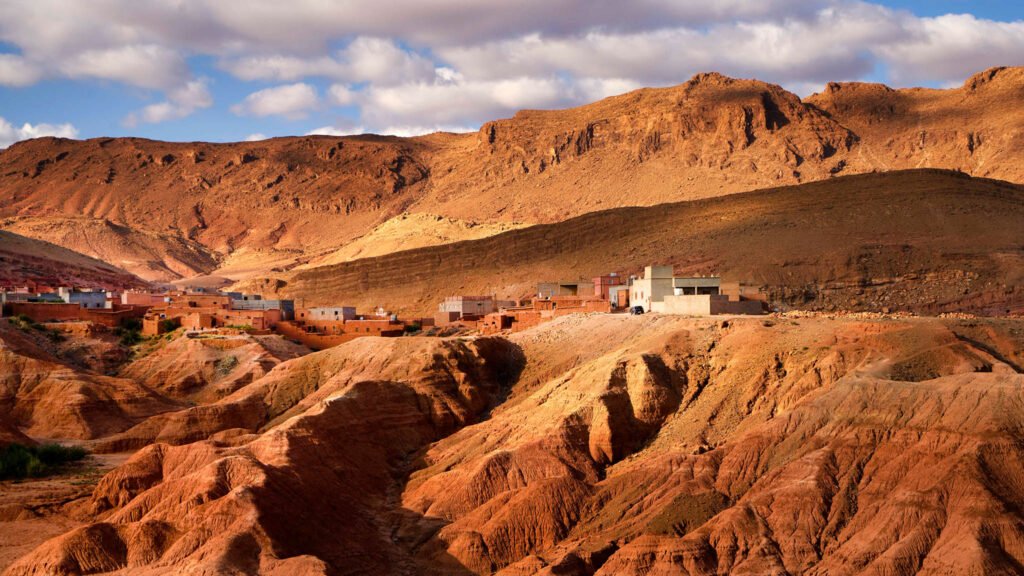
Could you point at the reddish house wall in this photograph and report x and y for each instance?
(46, 312)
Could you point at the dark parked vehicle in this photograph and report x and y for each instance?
(635, 310)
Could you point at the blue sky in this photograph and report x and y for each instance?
(230, 70)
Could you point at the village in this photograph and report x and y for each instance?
(154, 313)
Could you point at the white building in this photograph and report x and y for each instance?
(658, 282)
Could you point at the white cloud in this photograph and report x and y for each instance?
(455, 101)
(335, 131)
(365, 59)
(950, 48)
(407, 131)
(452, 64)
(143, 65)
(10, 134)
(181, 102)
(255, 137)
(293, 101)
(342, 95)
(17, 71)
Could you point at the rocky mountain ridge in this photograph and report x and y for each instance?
(172, 210)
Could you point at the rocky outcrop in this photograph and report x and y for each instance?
(167, 210)
(792, 444)
(263, 505)
(47, 398)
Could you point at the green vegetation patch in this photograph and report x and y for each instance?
(18, 461)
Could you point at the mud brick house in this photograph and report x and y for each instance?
(112, 317)
(467, 308)
(603, 285)
(316, 328)
(140, 298)
(206, 311)
(256, 302)
(547, 290)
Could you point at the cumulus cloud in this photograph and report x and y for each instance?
(453, 100)
(449, 64)
(256, 137)
(365, 59)
(144, 65)
(335, 131)
(293, 101)
(181, 102)
(10, 134)
(342, 95)
(17, 71)
(951, 47)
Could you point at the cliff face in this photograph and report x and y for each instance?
(797, 444)
(167, 210)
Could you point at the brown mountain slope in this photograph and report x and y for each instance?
(666, 445)
(155, 256)
(300, 198)
(26, 260)
(198, 199)
(921, 240)
(48, 398)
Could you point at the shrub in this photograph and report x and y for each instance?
(168, 325)
(18, 461)
(132, 324)
(226, 364)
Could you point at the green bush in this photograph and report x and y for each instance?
(23, 322)
(18, 461)
(128, 336)
(168, 325)
(132, 324)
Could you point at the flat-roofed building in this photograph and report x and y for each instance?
(660, 291)
(321, 313)
(565, 288)
(92, 299)
(659, 282)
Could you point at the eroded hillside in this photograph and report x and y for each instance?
(25, 261)
(666, 445)
(920, 240)
(169, 210)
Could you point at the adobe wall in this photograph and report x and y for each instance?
(733, 307)
(44, 312)
(684, 305)
(314, 341)
(705, 305)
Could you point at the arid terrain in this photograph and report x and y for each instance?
(918, 240)
(787, 444)
(167, 211)
(870, 423)
(26, 260)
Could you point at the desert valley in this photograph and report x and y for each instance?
(708, 328)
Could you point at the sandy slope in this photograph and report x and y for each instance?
(165, 209)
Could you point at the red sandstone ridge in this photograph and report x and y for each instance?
(799, 445)
(168, 210)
